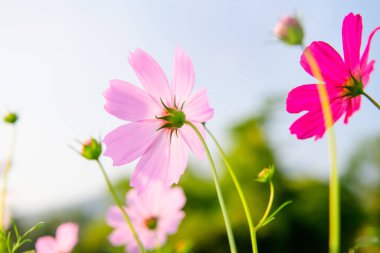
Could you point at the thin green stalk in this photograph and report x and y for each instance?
(120, 205)
(240, 192)
(269, 207)
(230, 235)
(334, 198)
(4, 179)
(371, 99)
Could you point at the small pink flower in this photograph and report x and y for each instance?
(66, 238)
(344, 79)
(157, 131)
(154, 215)
(289, 30)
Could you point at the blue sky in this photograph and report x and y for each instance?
(56, 58)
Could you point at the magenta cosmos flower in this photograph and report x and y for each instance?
(344, 79)
(154, 215)
(66, 237)
(157, 131)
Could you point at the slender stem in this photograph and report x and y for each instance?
(269, 207)
(230, 235)
(4, 179)
(240, 192)
(334, 198)
(371, 99)
(120, 205)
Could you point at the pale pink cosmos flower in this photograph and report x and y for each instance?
(66, 237)
(157, 131)
(344, 79)
(154, 215)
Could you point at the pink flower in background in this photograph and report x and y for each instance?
(289, 30)
(154, 215)
(157, 131)
(66, 238)
(344, 79)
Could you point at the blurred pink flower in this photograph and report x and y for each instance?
(154, 215)
(345, 80)
(65, 240)
(289, 30)
(157, 131)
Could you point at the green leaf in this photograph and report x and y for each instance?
(272, 216)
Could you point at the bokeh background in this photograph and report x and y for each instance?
(56, 58)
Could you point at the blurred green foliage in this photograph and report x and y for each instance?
(300, 227)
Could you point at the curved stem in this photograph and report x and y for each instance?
(230, 235)
(371, 99)
(120, 205)
(240, 192)
(4, 179)
(270, 202)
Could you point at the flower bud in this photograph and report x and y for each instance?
(10, 118)
(91, 149)
(266, 175)
(289, 30)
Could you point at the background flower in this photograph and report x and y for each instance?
(154, 215)
(66, 237)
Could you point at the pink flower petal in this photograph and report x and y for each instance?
(366, 72)
(151, 75)
(303, 98)
(67, 237)
(115, 217)
(192, 140)
(352, 37)
(197, 108)
(121, 235)
(312, 124)
(174, 200)
(183, 76)
(353, 105)
(170, 225)
(164, 161)
(46, 244)
(127, 142)
(129, 102)
(331, 65)
(364, 60)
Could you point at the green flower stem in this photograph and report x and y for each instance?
(240, 192)
(270, 202)
(371, 99)
(7, 168)
(230, 235)
(334, 198)
(119, 204)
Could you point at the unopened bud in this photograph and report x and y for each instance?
(289, 30)
(91, 149)
(10, 118)
(266, 175)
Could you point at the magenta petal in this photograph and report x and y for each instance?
(67, 236)
(127, 142)
(353, 105)
(352, 37)
(129, 102)
(150, 75)
(46, 244)
(331, 65)
(192, 140)
(303, 98)
(366, 72)
(364, 59)
(197, 108)
(183, 76)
